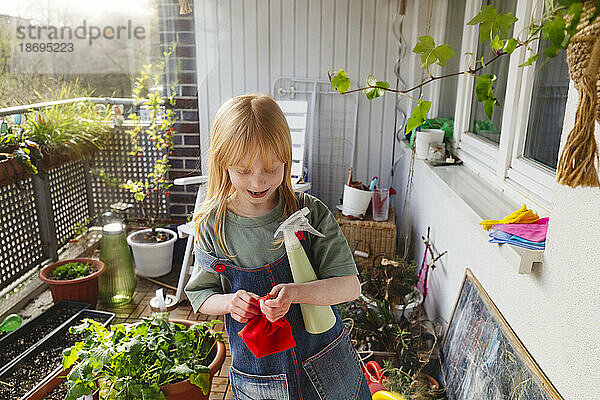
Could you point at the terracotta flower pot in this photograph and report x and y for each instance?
(184, 390)
(81, 289)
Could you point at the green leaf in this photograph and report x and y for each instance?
(78, 390)
(511, 45)
(71, 354)
(376, 88)
(443, 53)
(491, 23)
(530, 60)
(554, 31)
(497, 43)
(202, 380)
(485, 93)
(430, 54)
(3, 127)
(340, 81)
(425, 44)
(418, 116)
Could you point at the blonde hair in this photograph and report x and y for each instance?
(250, 124)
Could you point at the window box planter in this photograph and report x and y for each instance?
(81, 289)
(23, 340)
(31, 372)
(11, 171)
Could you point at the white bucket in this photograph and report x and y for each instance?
(153, 259)
(356, 201)
(424, 138)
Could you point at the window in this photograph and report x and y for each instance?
(51, 50)
(519, 148)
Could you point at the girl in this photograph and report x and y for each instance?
(249, 195)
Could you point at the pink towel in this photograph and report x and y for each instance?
(536, 231)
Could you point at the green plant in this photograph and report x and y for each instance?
(70, 129)
(390, 280)
(159, 130)
(411, 386)
(557, 25)
(72, 270)
(134, 361)
(14, 144)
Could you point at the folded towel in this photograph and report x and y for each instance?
(535, 231)
(521, 216)
(497, 236)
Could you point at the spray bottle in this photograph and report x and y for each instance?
(317, 319)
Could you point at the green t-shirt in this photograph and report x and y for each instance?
(251, 241)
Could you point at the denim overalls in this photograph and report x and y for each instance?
(323, 366)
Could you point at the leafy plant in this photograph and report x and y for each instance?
(557, 25)
(134, 361)
(69, 129)
(72, 270)
(158, 130)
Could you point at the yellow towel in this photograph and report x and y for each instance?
(521, 216)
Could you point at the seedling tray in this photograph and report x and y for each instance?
(23, 340)
(31, 373)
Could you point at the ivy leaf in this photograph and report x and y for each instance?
(485, 93)
(430, 54)
(511, 45)
(418, 116)
(497, 43)
(340, 81)
(530, 60)
(554, 31)
(443, 53)
(424, 47)
(491, 23)
(373, 92)
(575, 13)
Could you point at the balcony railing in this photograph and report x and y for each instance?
(38, 216)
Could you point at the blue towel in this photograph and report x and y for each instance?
(497, 236)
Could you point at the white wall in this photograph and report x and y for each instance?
(555, 310)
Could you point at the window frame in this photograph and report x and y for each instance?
(503, 164)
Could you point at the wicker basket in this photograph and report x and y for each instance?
(371, 237)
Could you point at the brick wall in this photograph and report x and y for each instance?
(185, 160)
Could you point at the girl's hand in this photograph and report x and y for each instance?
(243, 306)
(282, 297)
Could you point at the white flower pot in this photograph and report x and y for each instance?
(424, 138)
(153, 259)
(397, 308)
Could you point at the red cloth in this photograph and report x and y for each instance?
(264, 337)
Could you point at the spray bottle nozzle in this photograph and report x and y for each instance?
(298, 222)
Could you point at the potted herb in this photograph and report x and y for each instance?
(152, 247)
(75, 279)
(153, 359)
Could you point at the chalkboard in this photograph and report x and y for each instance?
(482, 356)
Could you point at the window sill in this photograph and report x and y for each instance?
(484, 202)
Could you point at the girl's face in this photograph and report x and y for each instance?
(256, 185)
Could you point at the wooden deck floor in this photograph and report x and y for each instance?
(140, 307)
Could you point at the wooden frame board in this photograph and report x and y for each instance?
(482, 356)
